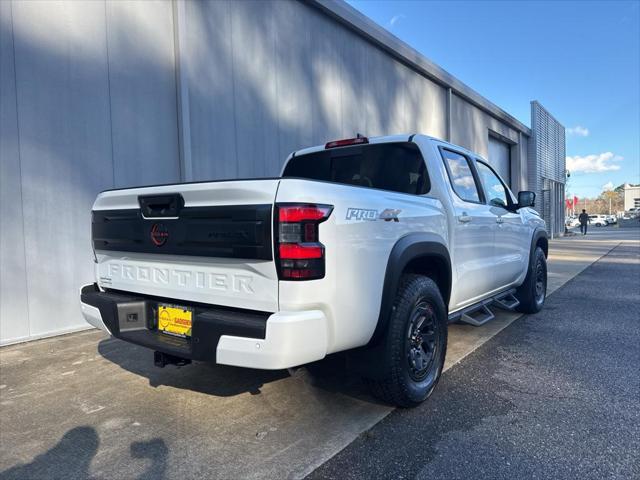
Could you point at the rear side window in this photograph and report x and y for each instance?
(461, 176)
(398, 167)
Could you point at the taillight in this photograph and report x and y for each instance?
(299, 253)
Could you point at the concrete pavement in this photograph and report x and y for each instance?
(86, 405)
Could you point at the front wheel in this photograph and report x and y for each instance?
(414, 345)
(533, 292)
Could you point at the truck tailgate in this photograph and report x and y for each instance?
(201, 242)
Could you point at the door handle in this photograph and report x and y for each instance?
(499, 220)
(464, 218)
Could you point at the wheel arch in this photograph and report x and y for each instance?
(419, 253)
(540, 238)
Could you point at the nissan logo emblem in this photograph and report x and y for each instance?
(159, 234)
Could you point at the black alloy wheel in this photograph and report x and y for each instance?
(533, 291)
(421, 340)
(541, 281)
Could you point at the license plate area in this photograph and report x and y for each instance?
(175, 320)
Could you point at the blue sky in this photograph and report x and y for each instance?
(580, 59)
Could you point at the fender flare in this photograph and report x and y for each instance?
(406, 249)
(538, 233)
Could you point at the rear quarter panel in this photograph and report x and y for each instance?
(357, 245)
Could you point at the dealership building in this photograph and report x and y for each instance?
(631, 196)
(98, 95)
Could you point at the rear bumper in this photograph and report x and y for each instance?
(92, 315)
(226, 336)
(292, 339)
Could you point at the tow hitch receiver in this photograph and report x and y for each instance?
(161, 359)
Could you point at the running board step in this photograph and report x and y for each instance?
(506, 301)
(478, 315)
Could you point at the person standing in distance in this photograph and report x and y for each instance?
(584, 220)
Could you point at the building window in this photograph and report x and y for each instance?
(636, 202)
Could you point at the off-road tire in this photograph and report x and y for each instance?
(531, 294)
(397, 384)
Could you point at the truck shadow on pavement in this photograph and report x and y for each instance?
(219, 380)
(222, 380)
(71, 458)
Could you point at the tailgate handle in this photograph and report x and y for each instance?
(154, 206)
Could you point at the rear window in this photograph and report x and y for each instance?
(398, 167)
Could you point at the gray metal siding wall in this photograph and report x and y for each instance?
(13, 278)
(547, 167)
(142, 92)
(267, 78)
(88, 103)
(97, 100)
(472, 128)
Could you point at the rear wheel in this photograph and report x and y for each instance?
(415, 344)
(532, 293)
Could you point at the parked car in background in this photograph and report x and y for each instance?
(612, 219)
(572, 222)
(598, 220)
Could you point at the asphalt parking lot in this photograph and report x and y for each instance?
(550, 395)
(556, 395)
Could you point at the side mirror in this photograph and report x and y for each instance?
(526, 199)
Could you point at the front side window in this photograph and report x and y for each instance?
(494, 189)
(461, 176)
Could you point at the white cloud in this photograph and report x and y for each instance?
(601, 162)
(465, 182)
(607, 186)
(578, 131)
(395, 19)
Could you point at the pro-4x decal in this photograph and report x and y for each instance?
(366, 214)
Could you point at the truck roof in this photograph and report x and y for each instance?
(384, 139)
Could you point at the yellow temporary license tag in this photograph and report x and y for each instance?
(174, 320)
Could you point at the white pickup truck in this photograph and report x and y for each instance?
(370, 246)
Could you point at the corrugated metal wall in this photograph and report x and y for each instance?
(101, 94)
(547, 170)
